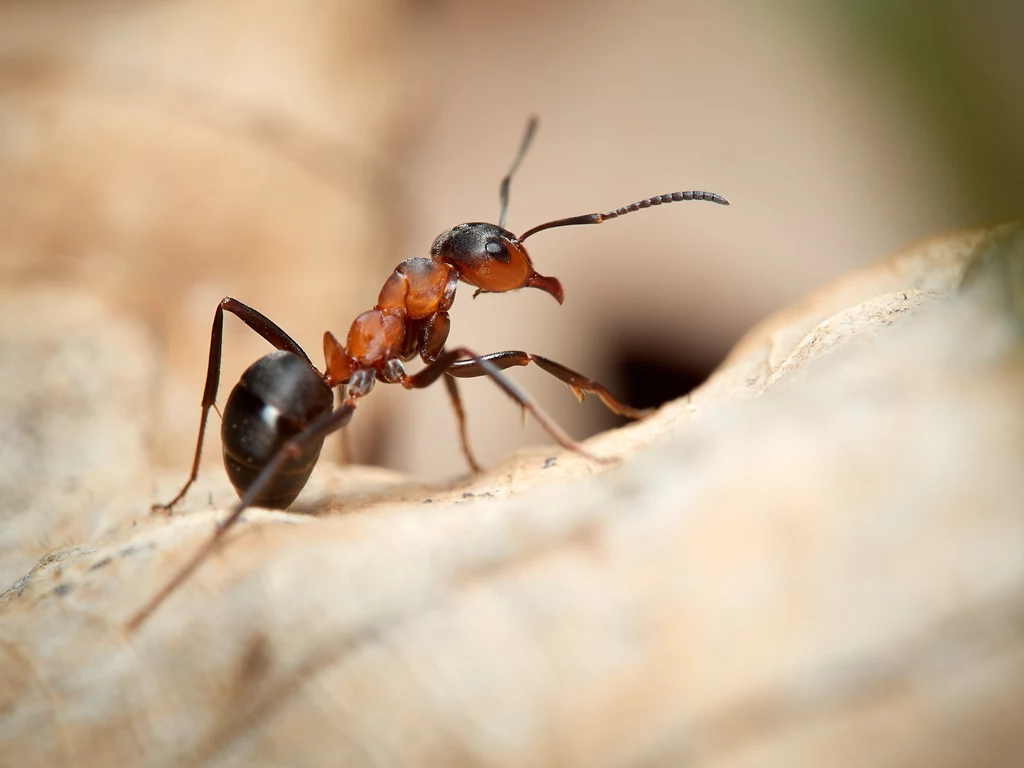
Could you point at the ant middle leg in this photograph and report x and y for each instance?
(262, 325)
(432, 335)
(578, 383)
(460, 418)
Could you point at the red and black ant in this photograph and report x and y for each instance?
(278, 415)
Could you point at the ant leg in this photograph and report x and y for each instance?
(579, 384)
(431, 344)
(265, 328)
(460, 417)
(346, 441)
(444, 362)
(317, 431)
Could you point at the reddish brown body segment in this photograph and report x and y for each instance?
(375, 337)
(417, 286)
(409, 320)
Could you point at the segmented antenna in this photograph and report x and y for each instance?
(531, 128)
(597, 218)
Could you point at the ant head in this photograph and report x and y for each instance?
(494, 260)
(491, 258)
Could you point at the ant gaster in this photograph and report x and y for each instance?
(277, 416)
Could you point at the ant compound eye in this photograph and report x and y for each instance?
(498, 250)
(473, 244)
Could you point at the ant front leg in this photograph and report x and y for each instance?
(295, 447)
(578, 383)
(265, 328)
(443, 364)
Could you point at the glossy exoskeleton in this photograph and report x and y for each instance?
(275, 400)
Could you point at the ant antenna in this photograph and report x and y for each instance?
(531, 128)
(597, 218)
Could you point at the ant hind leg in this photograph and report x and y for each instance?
(262, 325)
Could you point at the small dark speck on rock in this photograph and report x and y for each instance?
(62, 589)
(549, 462)
(131, 549)
(428, 501)
(468, 495)
(100, 563)
(18, 587)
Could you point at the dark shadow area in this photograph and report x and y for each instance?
(646, 377)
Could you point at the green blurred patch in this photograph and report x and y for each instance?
(960, 66)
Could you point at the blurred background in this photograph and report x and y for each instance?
(161, 155)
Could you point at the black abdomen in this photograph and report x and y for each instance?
(277, 397)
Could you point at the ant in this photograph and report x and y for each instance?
(278, 415)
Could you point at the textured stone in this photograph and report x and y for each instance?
(818, 558)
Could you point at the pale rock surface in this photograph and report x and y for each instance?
(817, 558)
(164, 155)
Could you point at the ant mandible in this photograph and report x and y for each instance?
(278, 415)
